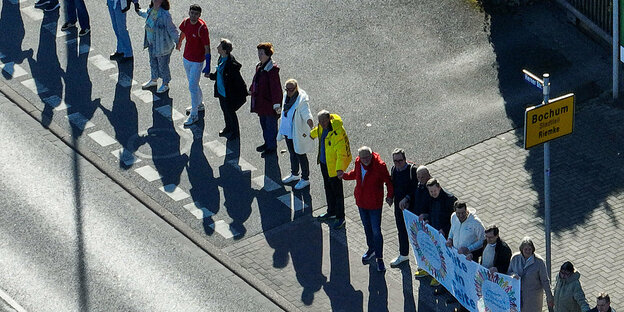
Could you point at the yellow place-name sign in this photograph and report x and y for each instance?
(543, 123)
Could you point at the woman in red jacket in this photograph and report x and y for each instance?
(266, 97)
(371, 173)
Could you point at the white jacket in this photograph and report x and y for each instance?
(301, 130)
(469, 234)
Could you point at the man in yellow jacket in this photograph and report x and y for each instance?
(334, 157)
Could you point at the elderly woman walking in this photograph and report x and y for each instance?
(295, 125)
(531, 268)
(160, 38)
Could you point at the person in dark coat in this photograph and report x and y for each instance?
(495, 253)
(266, 97)
(229, 87)
(438, 212)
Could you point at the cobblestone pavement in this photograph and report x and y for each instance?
(318, 269)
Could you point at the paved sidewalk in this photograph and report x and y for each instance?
(318, 269)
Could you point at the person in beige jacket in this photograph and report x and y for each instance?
(534, 280)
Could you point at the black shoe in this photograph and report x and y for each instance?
(52, 6)
(268, 152)
(125, 59)
(67, 26)
(325, 216)
(367, 256)
(115, 56)
(41, 3)
(381, 267)
(261, 148)
(84, 31)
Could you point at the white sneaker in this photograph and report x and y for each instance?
(149, 84)
(191, 120)
(291, 178)
(398, 260)
(302, 184)
(200, 108)
(163, 88)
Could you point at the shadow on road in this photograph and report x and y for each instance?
(580, 181)
(13, 33)
(341, 293)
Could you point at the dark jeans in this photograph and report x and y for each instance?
(371, 220)
(296, 160)
(401, 230)
(333, 193)
(77, 6)
(269, 130)
(229, 116)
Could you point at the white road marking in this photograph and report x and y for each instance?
(148, 173)
(217, 148)
(102, 63)
(198, 211)
(167, 110)
(266, 183)
(12, 69)
(12, 303)
(292, 202)
(35, 86)
(102, 138)
(224, 229)
(174, 192)
(242, 164)
(123, 79)
(78, 120)
(56, 102)
(125, 156)
(145, 96)
(34, 14)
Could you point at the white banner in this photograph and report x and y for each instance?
(474, 286)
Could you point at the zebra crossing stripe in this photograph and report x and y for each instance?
(125, 156)
(217, 148)
(101, 63)
(14, 70)
(34, 14)
(175, 192)
(198, 210)
(148, 173)
(56, 102)
(146, 96)
(123, 80)
(80, 121)
(266, 183)
(35, 86)
(102, 138)
(224, 229)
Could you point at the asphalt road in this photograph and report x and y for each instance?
(71, 240)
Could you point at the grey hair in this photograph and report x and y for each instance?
(422, 168)
(527, 241)
(365, 148)
(323, 113)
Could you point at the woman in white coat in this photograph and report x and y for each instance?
(295, 125)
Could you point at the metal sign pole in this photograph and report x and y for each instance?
(547, 181)
(616, 47)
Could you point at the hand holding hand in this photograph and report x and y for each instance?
(339, 174)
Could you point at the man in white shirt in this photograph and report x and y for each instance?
(467, 232)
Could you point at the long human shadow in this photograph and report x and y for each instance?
(13, 33)
(46, 68)
(164, 142)
(407, 279)
(123, 115)
(575, 163)
(377, 290)
(235, 182)
(342, 295)
(78, 85)
(204, 187)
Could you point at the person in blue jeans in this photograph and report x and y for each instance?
(370, 174)
(117, 10)
(75, 10)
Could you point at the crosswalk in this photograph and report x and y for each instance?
(175, 193)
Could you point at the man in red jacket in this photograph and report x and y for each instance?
(371, 173)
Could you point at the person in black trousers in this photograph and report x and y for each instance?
(229, 87)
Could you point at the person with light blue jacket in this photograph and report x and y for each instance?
(160, 38)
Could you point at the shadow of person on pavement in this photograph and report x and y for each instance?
(78, 85)
(13, 33)
(377, 290)
(233, 178)
(204, 187)
(341, 293)
(123, 115)
(164, 142)
(46, 69)
(407, 279)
